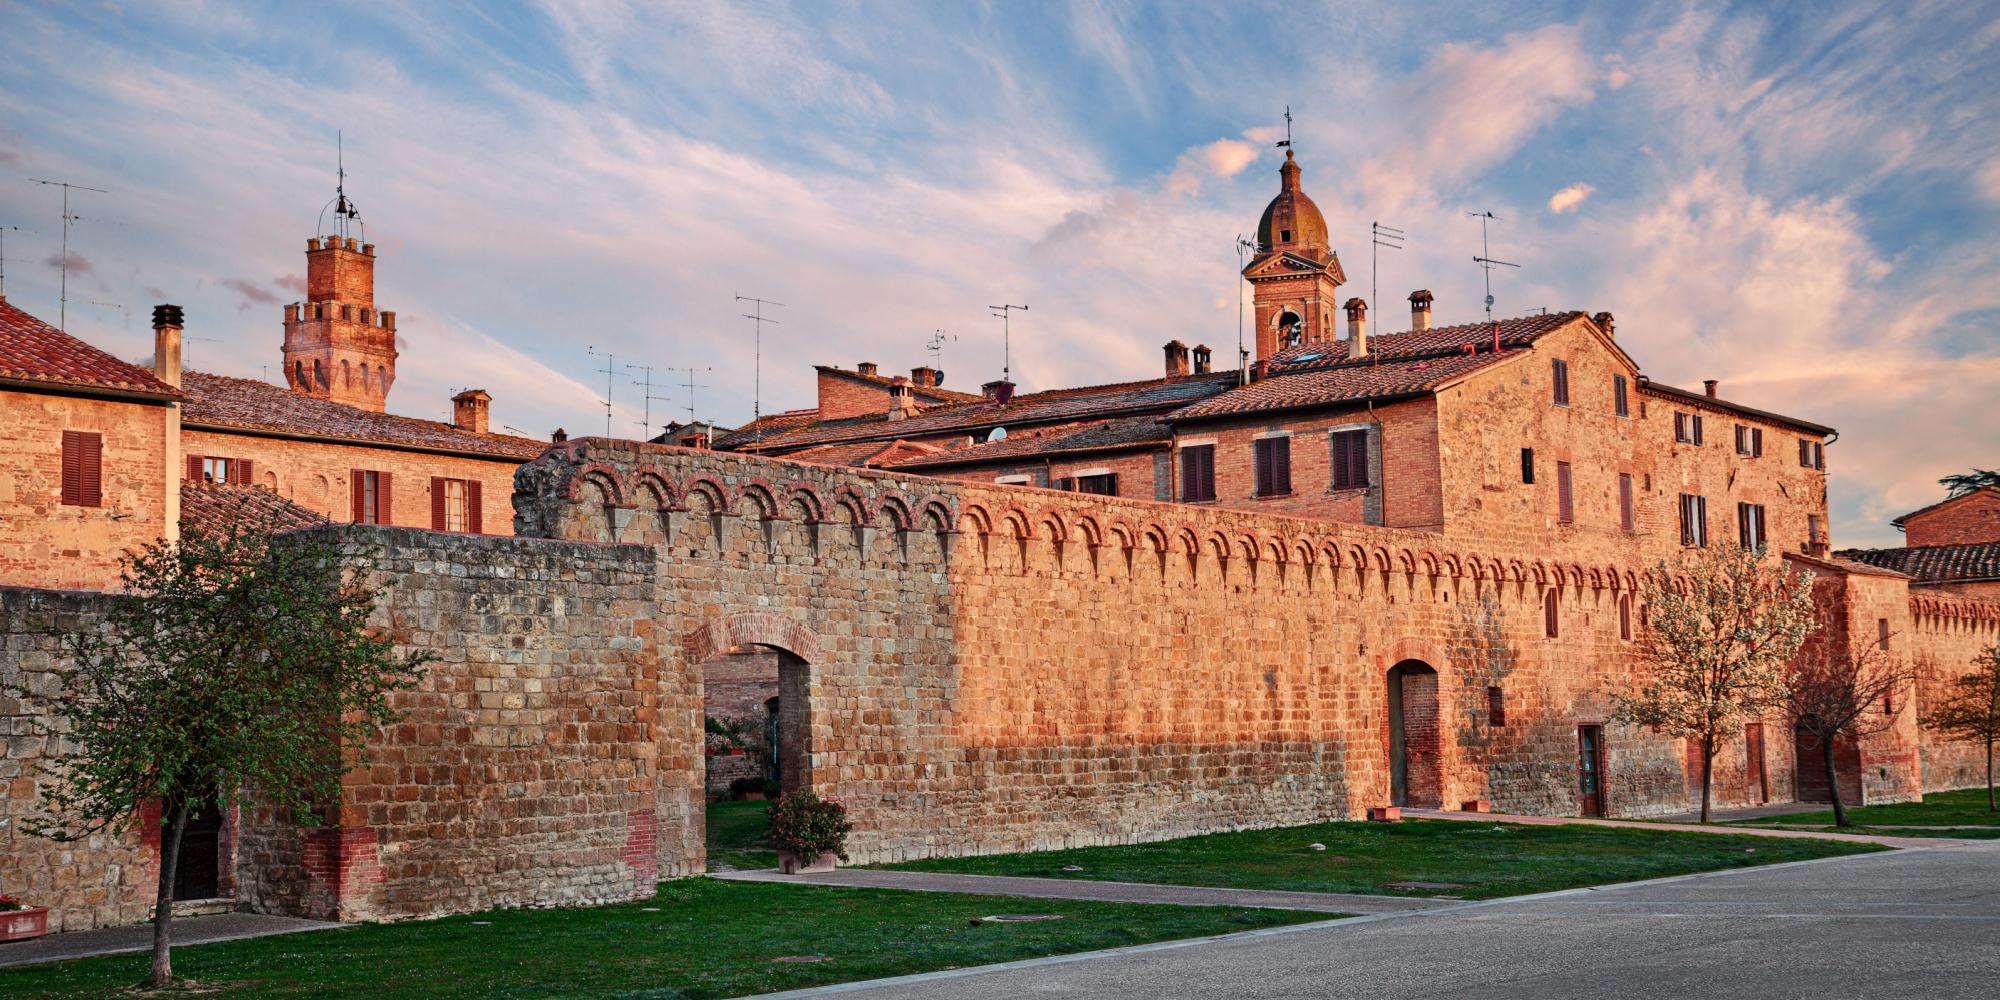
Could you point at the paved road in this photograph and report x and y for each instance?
(1917, 923)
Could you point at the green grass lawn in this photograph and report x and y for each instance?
(1965, 807)
(736, 836)
(1485, 860)
(707, 939)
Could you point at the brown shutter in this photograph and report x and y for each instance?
(194, 466)
(1190, 477)
(357, 485)
(1208, 472)
(473, 522)
(438, 519)
(1360, 453)
(1687, 519)
(1340, 460)
(82, 469)
(1757, 442)
(1697, 428)
(244, 473)
(1281, 464)
(1262, 449)
(382, 499)
(1527, 465)
(1565, 506)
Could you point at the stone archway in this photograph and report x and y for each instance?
(1416, 736)
(758, 658)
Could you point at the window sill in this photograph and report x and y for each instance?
(1273, 496)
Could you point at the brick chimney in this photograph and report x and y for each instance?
(167, 344)
(902, 402)
(926, 376)
(1708, 385)
(865, 367)
(1357, 328)
(1177, 359)
(1203, 360)
(559, 436)
(998, 391)
(468, 410)
(1420, 309)
(1606, 323)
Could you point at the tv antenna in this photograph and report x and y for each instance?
(4, 230)
(1005, 313)
(1244, 247)
(610, 371)
(1380, 236)
(62, 315)
(124, 317)
(1287, 144)
(1487, 264)
(646, 385)
(935, 346)
(757, 319)
(691, 386)
(344, 211)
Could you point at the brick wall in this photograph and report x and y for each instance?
(1945, 634)
(840, 398)
(316, 474)
(1968, 520)
(1141, 475)
(46, 543)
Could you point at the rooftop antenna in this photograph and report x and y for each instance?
(1006, 338)
(935, 346)
(62, 315)
(691, 386)
(646, 385)
(1287, 144)
(344, 211)
(4, 230)
(1245, 246)
(124, 317)
(1381, 236)
(1487, 263)
(610, 371)
(757, 319)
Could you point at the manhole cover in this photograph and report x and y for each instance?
(1072, 868)
(791, 959)
(1424, 885)
(1021, 918)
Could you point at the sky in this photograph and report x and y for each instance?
(1798, 200)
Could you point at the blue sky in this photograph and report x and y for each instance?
(1798, 200)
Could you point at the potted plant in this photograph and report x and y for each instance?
(810, 833)
(21, 922)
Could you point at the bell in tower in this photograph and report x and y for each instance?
(1295, 277)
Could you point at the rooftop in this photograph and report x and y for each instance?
(220, 401)
(1069, 439)
(214, 508)
(1935, 563)
(32, 351)
(1946, 502)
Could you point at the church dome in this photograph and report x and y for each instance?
(1292, 222)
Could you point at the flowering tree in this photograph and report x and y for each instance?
(1843, 690)
(1971, 712)
(1718, 643)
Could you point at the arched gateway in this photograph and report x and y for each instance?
(1416, 767)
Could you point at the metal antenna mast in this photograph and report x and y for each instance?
(646, 385)
(1006, 338)
(1381, 236)
(1487, 263)
(1244, 247)
(691, 387)
(757, 319)
(4, 230)
(935, 346)
(610, 371)
(62, 315)
(344, 211)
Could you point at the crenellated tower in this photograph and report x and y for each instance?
(338, 346)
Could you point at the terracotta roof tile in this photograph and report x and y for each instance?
(211, 508)
(222, 401)
(932, 393)
(33, 351)
(867, 454)
(1935, 563)
(1095, 436)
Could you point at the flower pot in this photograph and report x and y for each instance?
(24, 925)
(753, 796)
(738, 752)
(792, 864)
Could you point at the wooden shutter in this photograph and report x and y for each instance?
(1359, 456)
(1262, 449)
(1760, 526)
(382, 499)
(242, 469)
(1342, 463)
(1198, 472)
(1625, 500)
(438, 517)
(357, 486)
(1756, 442)
(1561, 373)
(1565, 503)
(82, 469)
(1551, 614)
(1281, 463)
(1695, 419)
(1743, 525)
(473, 522)
(194, 464)
(1687, 520)
(1190, 475)
(1618, 390)
(1207, 465)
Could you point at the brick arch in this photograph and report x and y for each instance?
(711, 489)
(655, 480)
(1413, 648)
(1088, 529)
(936, 509)
(1052, 519)
(902, 513)
(764, 498)
(976, 515)
(807, 496)
(744, 628)
(602, 476)
(851, 500)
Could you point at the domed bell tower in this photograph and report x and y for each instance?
(1295, 278)
(338, 346)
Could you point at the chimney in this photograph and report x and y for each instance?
(902, 403)
(468, 410)
(1202, 360)
(865, 367)
(1606, 323)
(926, 376)
(1357, 328)
(1177, 359)
(167, 344)
(1420, 309)
(1708, 385)
(999, 391)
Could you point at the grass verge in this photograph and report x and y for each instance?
(1461, 860)
(1935, 816)
(736, 836)
(698, 938)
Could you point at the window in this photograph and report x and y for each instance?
(1561, 376)
(1750, 525)
(1104, 485)
(1350, 459)
(1687, 427)
(1812, 531)
(1625, 617)
(455, 505)
(1694, 520)
(1274, 466)
(1620, 400)
(82, 469)
(1882, 633)
(1551, 614)
(1565, 504)
(1496, 707)
(217, 470)
(1749, 441)
(1625, 512)
(1198, 473)
(1527, 465)
(370, 494)
(1812, 455)
(213, 469)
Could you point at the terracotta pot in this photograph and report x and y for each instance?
(753, 796)
(792, 864)
(25, 925)
(738, 752)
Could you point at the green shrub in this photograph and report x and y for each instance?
(808, 826)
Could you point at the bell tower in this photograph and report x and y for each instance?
(1295, 278)
(338, 346)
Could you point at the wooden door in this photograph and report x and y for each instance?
(1590, 770)
(1753, 775)
(198, 873)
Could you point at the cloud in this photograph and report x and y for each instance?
(293, 283)
(77, 263)
(253, 294)
(1569, 198)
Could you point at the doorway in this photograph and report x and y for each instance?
(198, 873)
(1759, 786)
(1590, 770)
(1416, 767)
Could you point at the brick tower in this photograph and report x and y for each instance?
(1295, 277)
(337, 345)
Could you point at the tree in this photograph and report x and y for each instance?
(231, 664)
(1838, 690)
(1718, 643)
(1970, 712)
(1966, 482)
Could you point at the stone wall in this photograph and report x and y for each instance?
(1946, 634)
(48, 543)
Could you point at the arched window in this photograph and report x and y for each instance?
(299, 375)
(1551, 614)
(1291, 329)
(319, 373)
(1625, 617)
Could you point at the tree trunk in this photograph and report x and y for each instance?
(1707, 774)
(163, 905)
(1990, 807)
(1832, 781)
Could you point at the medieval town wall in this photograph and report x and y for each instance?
(1946, 634)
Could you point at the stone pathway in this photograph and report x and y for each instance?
(1755, 831)
(67, 945)
(1106, 892)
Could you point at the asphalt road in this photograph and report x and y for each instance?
(1916, 923)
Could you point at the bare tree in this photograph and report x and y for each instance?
(1718, 640)
(1842, 686)
(1970, 713)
